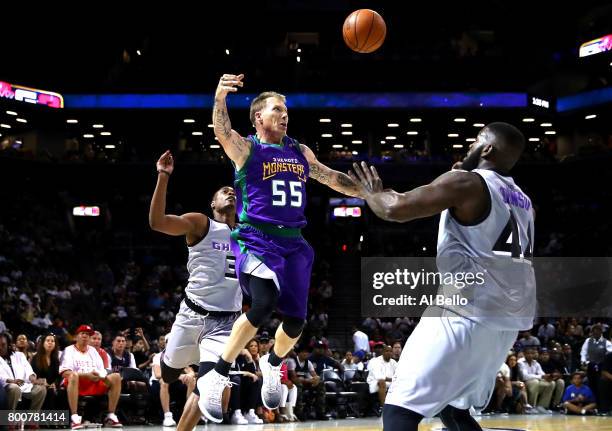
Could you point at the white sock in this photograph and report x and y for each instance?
(168, 415)
(75, 418)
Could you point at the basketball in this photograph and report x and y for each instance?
(364, 31)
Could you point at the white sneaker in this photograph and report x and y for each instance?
(271, 383)
(543, 410)
(252, 418)
(169, 421)
(211, 386)
(238, 419)
(76, 422)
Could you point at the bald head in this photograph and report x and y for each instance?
(508, 144)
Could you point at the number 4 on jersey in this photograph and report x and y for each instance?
(509, 241)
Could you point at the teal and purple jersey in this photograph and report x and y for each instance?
(271, 186)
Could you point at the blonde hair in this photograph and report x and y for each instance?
(259, 102)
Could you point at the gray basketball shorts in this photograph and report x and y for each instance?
(195, 338)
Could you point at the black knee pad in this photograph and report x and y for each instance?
(293, 326)
(458, 420)
(204, 368)
(397, 418)
(264, 296)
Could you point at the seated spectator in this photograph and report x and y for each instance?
(553, 374)
(96, 341)
(519, 390)
(120, 356)
(528, 340)
(350, 366)
(397, 350)
(569, 359)
(84, 374)
(186, 380)
(578, 398)
(45, 364)
(380, 373)
(250, 383)
(539, 390)
(605, 386)
(141, 351)
(17, 377)
(303, 375)
(22, 344)
(546, 332)
(288, 396)
(377, 349)
(322, 361)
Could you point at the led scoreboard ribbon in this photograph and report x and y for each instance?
(31, 95)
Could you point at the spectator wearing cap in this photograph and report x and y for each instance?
(578, 398)
(592, 355)
(553, 373)
(96, 341)
(539, 390)
(380, 372)
(311, 389)
(264, 344)
(17, 377)
(361, 341)
(84, 374)
(45, 364)
(322, 361)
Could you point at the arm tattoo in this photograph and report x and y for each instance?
(318, 174)
(221, 120)
(345, 181)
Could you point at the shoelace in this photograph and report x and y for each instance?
(274, 380)
(217, 395)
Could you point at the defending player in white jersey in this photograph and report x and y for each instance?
(213, 299)
(450, 361)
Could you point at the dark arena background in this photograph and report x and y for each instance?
(89, 104)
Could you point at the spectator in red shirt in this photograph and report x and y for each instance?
(96, 341)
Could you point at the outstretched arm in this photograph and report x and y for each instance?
(235, 146)
(192, 225)
(460, 190)
(336, 180)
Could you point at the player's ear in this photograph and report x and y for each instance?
(486, 151)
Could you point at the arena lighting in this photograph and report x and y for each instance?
(197, 133)
(324, 120)
(31, 95)
(590, 117)
(86, 211)
(188, 120)
(327, 135)
(215, 146)
(546, 125)
(457, 146)
(11, 112)
(110, 147)
(528, 120)
(355, 153)
(346, 125)
(211, 126)
(347, 133)
(21, 120)
(479, 124)
(357, 141)
(453, 135)
(105, 133)
(415, 120)
(390, 138)
(5, 126)
(138, 52)
(398, 146)
(72, 121)
(88, 135)
(336, 146)
(470, 139)
(550, 132)
(596, 46)
(392, 125)
(298, 59)
(347, 212)
(459, 120)
(534, 139)
(412, 132)
(98, 126)
(383, 142)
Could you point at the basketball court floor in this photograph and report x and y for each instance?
(497, 423)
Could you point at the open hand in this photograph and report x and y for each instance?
(366, 179)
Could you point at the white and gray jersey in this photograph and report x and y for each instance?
(499, 248)
(212, 271)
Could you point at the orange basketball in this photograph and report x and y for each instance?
(364, 30)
